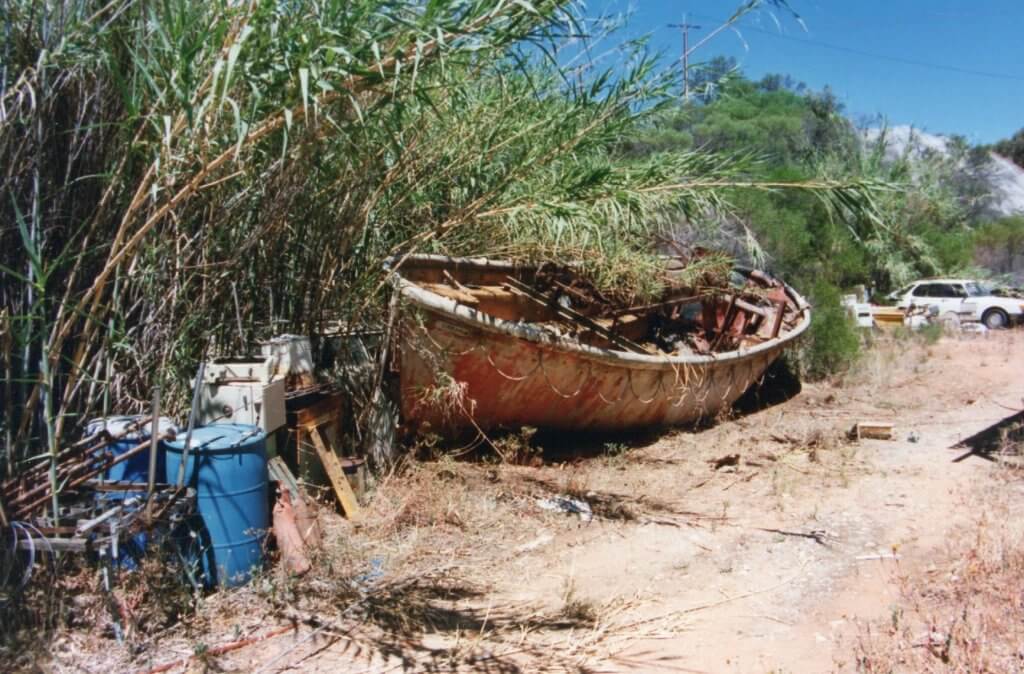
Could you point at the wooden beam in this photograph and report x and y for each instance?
(330, 408)
(321, 420)
(780, 312)
(878, 430)
(752, 308)
(675, 301)
(342, 489)
(575, 316)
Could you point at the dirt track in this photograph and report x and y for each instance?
(757, 600)
(773, 563)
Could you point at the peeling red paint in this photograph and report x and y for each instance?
(514, 382)
(511, 373)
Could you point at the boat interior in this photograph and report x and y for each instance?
(748, 308)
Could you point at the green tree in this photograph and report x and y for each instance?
(1000, 244)
(1012, 148)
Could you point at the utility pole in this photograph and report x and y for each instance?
(685, 27)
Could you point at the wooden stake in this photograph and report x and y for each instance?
(23, 511)
(342, 489)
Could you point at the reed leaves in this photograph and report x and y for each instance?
(163, 161)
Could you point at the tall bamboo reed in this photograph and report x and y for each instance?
(164, 161)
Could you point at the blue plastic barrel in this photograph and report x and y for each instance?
(135, 469)
(227, 465)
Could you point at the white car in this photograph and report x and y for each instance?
(964, 299)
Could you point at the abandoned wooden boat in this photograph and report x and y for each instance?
(481, 346)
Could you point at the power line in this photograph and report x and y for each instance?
(885, 57)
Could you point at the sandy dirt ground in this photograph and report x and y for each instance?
(764, 543)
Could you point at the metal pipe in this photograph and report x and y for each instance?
(80, 447)
(191, 422)
(27, 509)
(154, 441)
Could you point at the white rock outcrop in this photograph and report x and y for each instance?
(1005, 179)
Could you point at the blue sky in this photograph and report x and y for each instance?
(972, 83)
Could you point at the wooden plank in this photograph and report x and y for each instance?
(122, 485)
(747, 306)
(342, 489)
(329, 408)
(690, 299)
(780, 312)
(456, 294)
(878, 430)
(727, 320)
(321, 420)
(85, 526)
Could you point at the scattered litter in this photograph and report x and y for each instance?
(727, 460)
(885, 555)
(819, 536)
(538, 542)
(367, 580)
(567, 504)
(914, 437)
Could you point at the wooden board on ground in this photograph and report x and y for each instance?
(877, 430)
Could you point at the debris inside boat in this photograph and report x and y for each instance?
(495, 344)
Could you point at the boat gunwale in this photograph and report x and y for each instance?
(460, 313)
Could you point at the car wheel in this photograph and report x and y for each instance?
(995, 319)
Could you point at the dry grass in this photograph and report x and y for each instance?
(964, 614)
(414, 582)
(428, 577)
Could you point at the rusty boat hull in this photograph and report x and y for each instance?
(462, 366)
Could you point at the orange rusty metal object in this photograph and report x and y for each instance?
(506, 374)
(289, 539)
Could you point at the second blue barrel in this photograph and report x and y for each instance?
(128, 434)
(227, 465)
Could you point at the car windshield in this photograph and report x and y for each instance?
(976, 290)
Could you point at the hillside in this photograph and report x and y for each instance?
(1004, 179)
